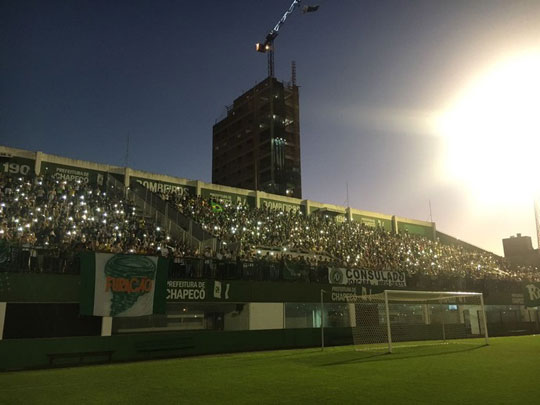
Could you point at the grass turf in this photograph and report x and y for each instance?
(505, 372)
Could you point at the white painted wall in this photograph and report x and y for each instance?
(266, 315)
(106, 326)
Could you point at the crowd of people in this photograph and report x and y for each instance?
(47, 217)
(62, 217)
(320, 238)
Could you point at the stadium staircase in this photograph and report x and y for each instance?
(151, 206)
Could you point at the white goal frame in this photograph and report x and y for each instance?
(442, 298)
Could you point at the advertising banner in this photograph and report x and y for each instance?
(262, 291)
(17, 165)
(197, 290)
(281, 206)
(164, 187)
(367, 277)
(532, 295)
(226, 197)
(72, 173)
(374, 222)
(119, 285)
(345, 293)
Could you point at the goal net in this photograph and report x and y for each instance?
(396, 318)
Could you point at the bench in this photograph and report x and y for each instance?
(80, 356)
(164, 346)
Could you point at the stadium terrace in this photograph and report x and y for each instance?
(109, 253)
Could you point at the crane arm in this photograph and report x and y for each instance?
(269, 39)
(295, 3)
(267, 45)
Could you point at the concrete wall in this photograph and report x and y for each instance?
(266, 315)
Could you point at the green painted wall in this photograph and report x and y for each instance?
(63, 288)
(255, 291)
(384, 223)
(164, 187)
(32, 353)
(414, 229)
(32, 287)
(281, 205)
(227, 196)
(17, 165)
(64, 172)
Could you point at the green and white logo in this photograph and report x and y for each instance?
(336, 276)
(117, 285)
(128, 277)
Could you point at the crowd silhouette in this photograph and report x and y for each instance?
(43, 216)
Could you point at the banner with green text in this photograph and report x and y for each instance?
(119, 285)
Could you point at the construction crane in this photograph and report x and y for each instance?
(268, 45)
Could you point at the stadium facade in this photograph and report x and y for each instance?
(209, 306)
(257, 145)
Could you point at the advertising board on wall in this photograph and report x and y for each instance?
(197, 290)
(253, 291)
(387, 278)
(17, 165)
(231, 198)
(347, 293)
(532, 294)
(373, 221)
(72, 173)
(164, 187)
(415, 229)
(281, 206)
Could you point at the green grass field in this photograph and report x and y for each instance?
(506, 372)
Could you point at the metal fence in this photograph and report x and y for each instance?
(165, 215)
(47, 260)
(44, 260)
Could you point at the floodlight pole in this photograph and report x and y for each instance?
(322, 320)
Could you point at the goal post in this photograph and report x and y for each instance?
(396, 318)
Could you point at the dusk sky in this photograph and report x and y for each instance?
(407, 102)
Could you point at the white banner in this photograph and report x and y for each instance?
(124, 285)
(388, 278)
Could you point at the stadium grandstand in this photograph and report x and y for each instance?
(243, 270)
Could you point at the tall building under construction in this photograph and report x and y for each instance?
(257, 145)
